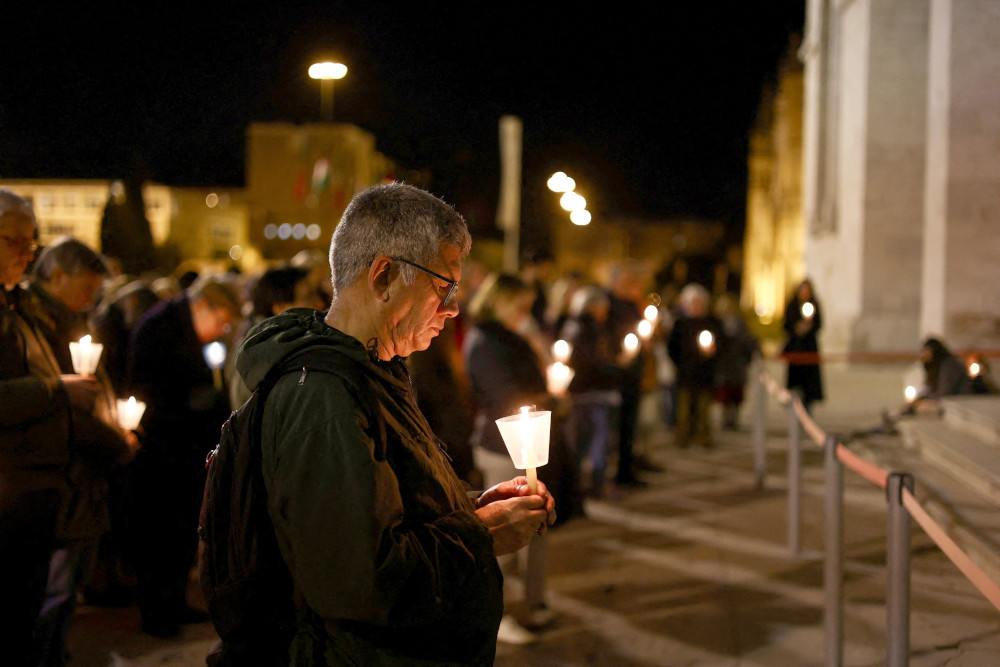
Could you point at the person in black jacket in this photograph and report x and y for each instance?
(803, 320)
(184, 412)
(505, 373)
(693, 347)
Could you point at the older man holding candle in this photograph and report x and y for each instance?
(64, 280)
(35, 403)
(392, 562)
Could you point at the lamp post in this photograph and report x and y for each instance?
(327, 72)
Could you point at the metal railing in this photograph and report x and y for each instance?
(902, 507)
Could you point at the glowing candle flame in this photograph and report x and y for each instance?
(910, 393)
(561, 351)
(808, 310)
(705, 339)
(645, 329)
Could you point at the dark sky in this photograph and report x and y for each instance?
(647, 105)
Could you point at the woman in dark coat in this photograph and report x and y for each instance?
(803, 320)
(505, 373)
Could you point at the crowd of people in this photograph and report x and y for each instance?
(95, 509)
(110, 514)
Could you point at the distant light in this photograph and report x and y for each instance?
(761, 309)
(651, 313)
(270, 231)
(299, 231)
(572, 201)
(236, 252)
(560, 182)
(313, 232)
(561, 351)
(327, 70)
(910, 393)
(580, 218)
(975, 369)
(645, 329)
(631, 342)
(215, 354)
(212, 200)
(284, 231)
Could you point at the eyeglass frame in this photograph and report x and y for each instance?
(20, 245)
(453, 283)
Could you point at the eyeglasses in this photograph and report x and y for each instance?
(453, 284)
(20, 244)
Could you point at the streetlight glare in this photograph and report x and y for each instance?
(580, 217)
(327, 70)
(571, 201)
(560, 182)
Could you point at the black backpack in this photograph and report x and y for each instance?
(243, 576)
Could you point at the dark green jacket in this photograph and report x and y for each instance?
(389, 560)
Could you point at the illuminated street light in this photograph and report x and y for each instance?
(580, 217)
(571, 201)
(327, 72)
(560, 182)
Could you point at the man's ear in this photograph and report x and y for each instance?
(380, 276)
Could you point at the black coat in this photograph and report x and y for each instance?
(806, 377)
(695, 369)
(505, 375)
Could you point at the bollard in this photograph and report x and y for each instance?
(759, 428)
(833, 605)
(794, 482)
(897, 603)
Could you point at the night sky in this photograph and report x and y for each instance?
(647, 105)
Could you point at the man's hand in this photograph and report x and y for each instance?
(513, 514)
(82, 390)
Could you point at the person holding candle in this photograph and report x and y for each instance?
(803, 320)
(693, 346)
(184, 412)
(392, 562)
(36, 401)
(506, 373)
(64, 280)
(595, 384)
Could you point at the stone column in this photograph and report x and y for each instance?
(961, 280)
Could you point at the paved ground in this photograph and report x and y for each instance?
(694, 569)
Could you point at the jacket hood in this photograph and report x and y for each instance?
(267, 343)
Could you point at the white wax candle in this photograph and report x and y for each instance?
(528, 450)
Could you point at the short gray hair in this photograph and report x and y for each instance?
(69, 254)
(397, 220)
(12, 203)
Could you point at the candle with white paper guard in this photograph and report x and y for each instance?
(645, 329)
(215, 357)
(85, 354)
(526, 436)
(130, 413)
(705, 340)
(561, 351)
(558, 376)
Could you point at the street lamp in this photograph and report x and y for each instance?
(327, 72)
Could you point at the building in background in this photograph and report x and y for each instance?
(774, 252)
(900, 175)
(299, 179)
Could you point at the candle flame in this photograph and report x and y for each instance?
(705, 338)
(86, 340)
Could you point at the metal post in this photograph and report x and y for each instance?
(794, 482)
(759, 428)
(833, 605)
(897, 603)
